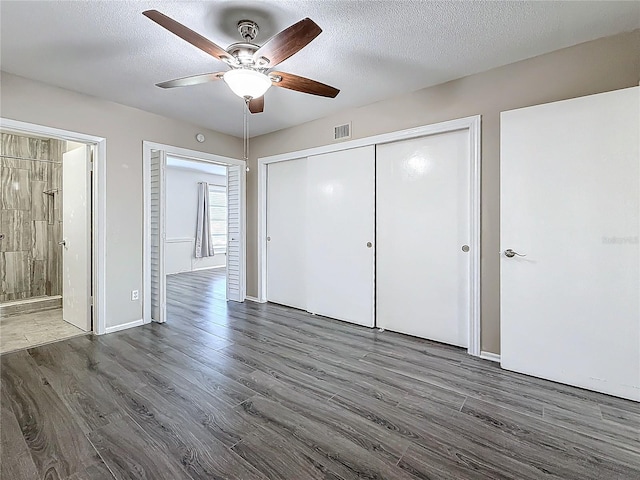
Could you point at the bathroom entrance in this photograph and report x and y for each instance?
(45, 240)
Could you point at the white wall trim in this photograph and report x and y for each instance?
(208, 268)
(194, 155)
(492, 357)
(254, 299)
(179, 240)
(472, 124)
(124, 326)
(422, 131)
(99, 189)
(475, 182)
(198, 156)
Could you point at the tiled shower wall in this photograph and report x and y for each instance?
(30, 219)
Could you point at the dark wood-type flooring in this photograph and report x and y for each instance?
(250, 391)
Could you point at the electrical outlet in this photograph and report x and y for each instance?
(135, 295)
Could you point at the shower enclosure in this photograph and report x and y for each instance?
(30, 224)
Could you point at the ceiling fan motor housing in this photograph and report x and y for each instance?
(243, 53)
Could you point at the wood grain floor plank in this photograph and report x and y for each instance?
(624, 417)
(213, 360)
(592, 424)
(339, 453)
(446, 435)
(212, 381)
(197, 410)
(98, 471)
(82, 393)
(130, 453)
(12, 445)
(259, 359)
(233, 390)
(330, 416)
(456, 380)
(56, 442)
(552, 394)
(580, 456)
(281, 457)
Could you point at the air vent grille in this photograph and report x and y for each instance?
(342, 131)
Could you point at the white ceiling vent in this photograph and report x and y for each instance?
(342, 131)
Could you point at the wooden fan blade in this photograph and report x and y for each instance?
(256, 105)
(289, 41)
(304, 85)
(192, 80)
(187, 34)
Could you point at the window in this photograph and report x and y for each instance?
(218, 217)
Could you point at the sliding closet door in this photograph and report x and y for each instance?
(286, 233)
(423, 237)
(340, 235)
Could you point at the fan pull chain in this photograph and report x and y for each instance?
(246, 131)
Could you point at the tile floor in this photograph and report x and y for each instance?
(29, 330)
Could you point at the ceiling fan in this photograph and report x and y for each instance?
(251, 65)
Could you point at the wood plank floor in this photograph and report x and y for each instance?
(250, 391)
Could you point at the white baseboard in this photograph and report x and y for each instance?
(493, 357)
(124, 326)
(253, 299)
(208, 268)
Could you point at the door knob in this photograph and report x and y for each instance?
(63, 243)
(369, 244)
(510, 253)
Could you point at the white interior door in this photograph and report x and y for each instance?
(76, 243)
(340, 235)
(286, 233)
(235, 232)
(423, 234)
(570, 308)
(158, 236)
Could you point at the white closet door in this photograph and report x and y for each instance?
(570, 202)
(158, 277)
(235, 232)
(340, 235)
(422, 224)
(286, 233)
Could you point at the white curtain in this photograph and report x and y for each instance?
(204, 247)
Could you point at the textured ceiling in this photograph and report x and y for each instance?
(371, 50)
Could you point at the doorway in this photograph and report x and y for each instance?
(48, 279)
(194, 220)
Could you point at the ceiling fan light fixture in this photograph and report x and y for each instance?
(247, 83)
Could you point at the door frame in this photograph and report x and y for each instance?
(98, 196)
(199, 156)
(472, 124)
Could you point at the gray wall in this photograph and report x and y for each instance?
(601, 65)
(30, 258)
(124, 128)
(181, 219)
